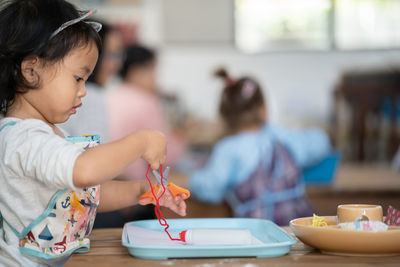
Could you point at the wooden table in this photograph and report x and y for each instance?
(106, 250)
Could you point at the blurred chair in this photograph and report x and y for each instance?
(323, 172)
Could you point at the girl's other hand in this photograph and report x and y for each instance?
(155, 148)
(176, 204)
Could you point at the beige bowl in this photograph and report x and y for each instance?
(333, 240)
(352, 212)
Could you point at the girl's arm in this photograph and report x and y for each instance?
(102, 163)
(308, 146)
(115, 195)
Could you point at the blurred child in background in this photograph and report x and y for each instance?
(132, 106)
(257, 168)
(136, 104)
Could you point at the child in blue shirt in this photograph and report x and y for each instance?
(257, 168)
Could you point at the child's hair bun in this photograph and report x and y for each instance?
(240, 102)
(221, 73)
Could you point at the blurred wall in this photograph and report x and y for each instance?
(298, 85)
(196, 36)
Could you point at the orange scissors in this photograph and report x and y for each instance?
(175, 190)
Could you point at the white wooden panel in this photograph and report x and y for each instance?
(198, 20)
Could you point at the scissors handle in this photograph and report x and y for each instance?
(149, 194)
(175, 191)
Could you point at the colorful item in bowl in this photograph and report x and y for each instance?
(318, 221)
(374, 226)
(392, 216)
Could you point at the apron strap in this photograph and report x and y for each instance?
(37, 220)
(45, 213)
(12, 228)
(268, 199)
(10, 123)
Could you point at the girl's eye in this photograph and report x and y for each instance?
(78, 79)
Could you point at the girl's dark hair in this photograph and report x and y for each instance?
(26, 27)
(241, 101)
(136, 56)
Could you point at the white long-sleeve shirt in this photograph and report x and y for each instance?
(35, 163)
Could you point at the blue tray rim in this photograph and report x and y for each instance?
(291, 240)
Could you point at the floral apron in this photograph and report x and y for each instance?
(65, 224)
(275, 190)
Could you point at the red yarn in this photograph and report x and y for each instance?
(157, 210)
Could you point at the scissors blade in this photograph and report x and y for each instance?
(165, 176)
(165, 173)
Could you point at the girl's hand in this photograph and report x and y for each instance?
(176, 204)
(155, 148)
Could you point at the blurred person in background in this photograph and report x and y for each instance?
(256, 169)
(136, 104)
(132, 106)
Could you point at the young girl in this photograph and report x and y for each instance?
(49, 189)
(257, 168)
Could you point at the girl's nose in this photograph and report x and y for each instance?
(82, 91)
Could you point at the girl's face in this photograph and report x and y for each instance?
(61, 87)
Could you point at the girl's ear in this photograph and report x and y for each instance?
(29, 69)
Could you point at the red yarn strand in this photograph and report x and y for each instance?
(160, 217)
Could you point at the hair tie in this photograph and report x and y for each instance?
(229, 81)
(248, 89)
